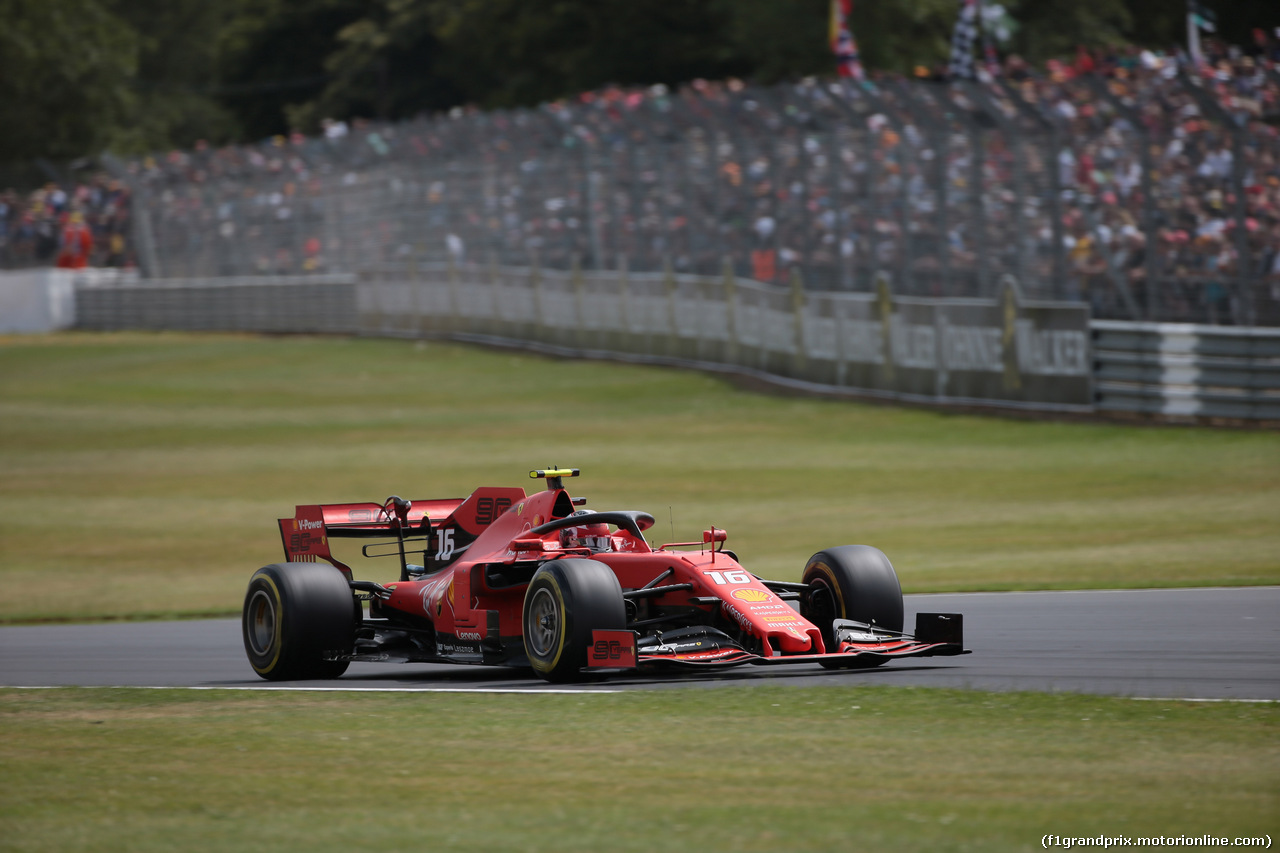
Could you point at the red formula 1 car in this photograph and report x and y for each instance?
(522, 580)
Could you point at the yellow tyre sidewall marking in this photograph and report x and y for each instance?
(824, 569)
(275, 641)
(554, 585)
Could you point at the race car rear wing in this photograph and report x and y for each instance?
(456, 521)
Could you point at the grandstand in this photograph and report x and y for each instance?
(1142, 186)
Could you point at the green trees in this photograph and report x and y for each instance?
(65, 70)
(77, 76)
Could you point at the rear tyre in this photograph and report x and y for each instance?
(565, 602)
(294, 615)
(851, 582)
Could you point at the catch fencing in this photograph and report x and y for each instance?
(1147, 198)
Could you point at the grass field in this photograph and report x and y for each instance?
(742, 769)
(141, 475)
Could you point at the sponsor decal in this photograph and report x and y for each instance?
(972, 347)
(448, 648)
(914, 345)
(469, 635)
(445, 544)
(862, 341)
(711, 655)
(751, 595)
(302, 540)
(487, 509)
(358, 515)
(773, 620)
(612, 649)
(735, 576)
(739, 616)
(433, 591)
(609, 650)
(1051, 352)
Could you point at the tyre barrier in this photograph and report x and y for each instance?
(1184, 371)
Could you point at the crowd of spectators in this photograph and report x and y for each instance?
(1206, 221)
(1136, 180)
(86, 224)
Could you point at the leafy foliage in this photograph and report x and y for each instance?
(64, 74)
(80, 75)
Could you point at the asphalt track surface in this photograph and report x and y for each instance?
(1181, 643)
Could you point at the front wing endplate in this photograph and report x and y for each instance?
(724, 658)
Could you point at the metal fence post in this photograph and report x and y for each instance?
(730, 312)
(801, 357)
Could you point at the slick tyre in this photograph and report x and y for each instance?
(851, 582)
(565, 602)
(295, 614)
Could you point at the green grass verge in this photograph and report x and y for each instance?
(761, 768)
(141, 475)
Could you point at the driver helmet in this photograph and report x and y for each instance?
(594, 537)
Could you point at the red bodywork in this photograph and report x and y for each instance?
(478, 555)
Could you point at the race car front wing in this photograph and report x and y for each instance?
(936, 634)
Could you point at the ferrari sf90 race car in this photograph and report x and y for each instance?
(537, 581)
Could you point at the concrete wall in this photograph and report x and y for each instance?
(43, 300)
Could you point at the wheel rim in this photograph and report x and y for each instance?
(262, 622)
(822, 612)
(823, 605)
(543, 628)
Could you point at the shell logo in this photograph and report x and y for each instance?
(750, 595)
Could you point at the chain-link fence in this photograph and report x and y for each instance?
(1152, 197)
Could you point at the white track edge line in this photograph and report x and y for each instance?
(512, 690)
(1092, 591)
(518, 691)
(1192, 699)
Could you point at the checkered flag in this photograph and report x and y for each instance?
(848, 63)
(966, 33)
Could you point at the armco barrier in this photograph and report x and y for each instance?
(1187, 371)
(300, 304)
(1001, 352)
(1005, 353)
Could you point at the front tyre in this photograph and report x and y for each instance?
(851, 582)
(294, 615)
(565, 602)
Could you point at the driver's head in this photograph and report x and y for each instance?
(594, 537)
